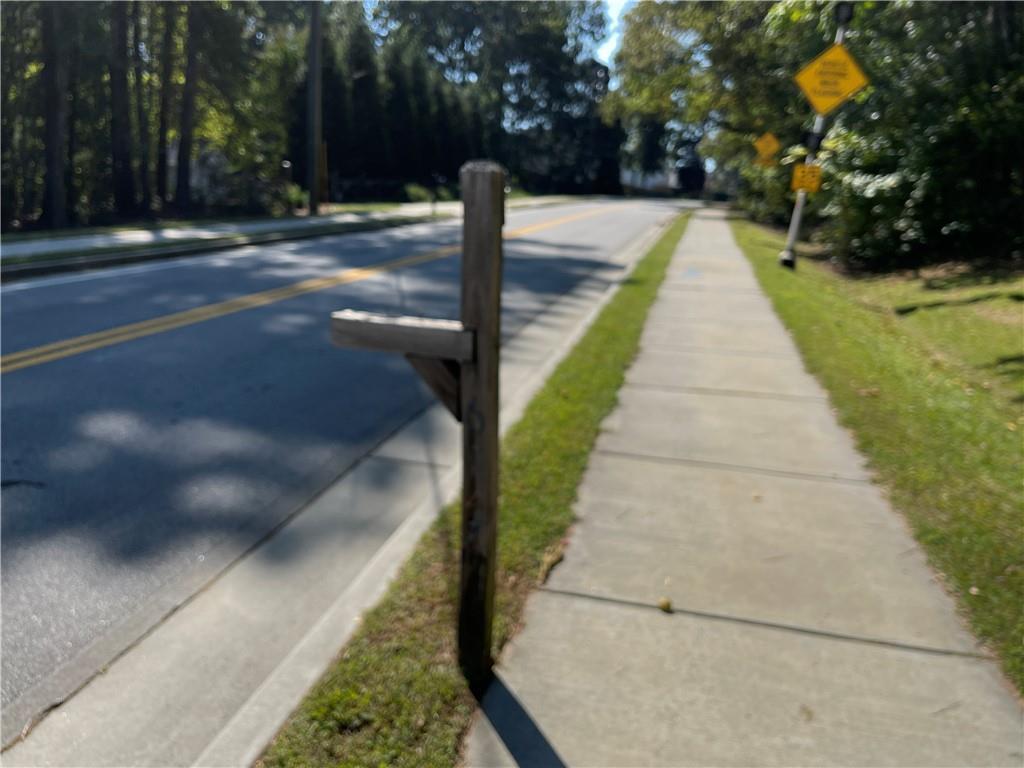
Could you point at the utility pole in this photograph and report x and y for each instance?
(314, 113)
(844, 12)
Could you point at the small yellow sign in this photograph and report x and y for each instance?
(806, 177)
(831, 79)
(767, 145)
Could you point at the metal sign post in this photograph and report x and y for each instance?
(827, 82)
(459, 360)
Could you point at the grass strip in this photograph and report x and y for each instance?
(943, 439)
(396, 696)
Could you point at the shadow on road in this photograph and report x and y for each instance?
(127, 467)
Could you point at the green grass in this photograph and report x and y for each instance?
(396, 696)
(332, 208)
(926, 370)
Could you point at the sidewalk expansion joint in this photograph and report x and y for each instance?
(771, 625)
(411, 462)
(662, 347)
(656, 459)
(726, 392)
(683, 320)
(728, 291)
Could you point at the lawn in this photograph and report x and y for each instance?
(927, 369)
(396, 696)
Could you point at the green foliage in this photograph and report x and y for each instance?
(927, 167)
(407, 98)
(536, 89)
(372, 156)
(922, 166)
(293, 197)
(417, 193)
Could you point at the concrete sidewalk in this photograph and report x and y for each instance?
(806, 627)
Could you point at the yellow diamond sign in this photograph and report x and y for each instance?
(767, 145)
(806, 177)
(831, 79)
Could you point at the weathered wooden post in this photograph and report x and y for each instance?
(459, 360)
(483, 191)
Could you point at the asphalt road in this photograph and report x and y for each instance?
(155, 415)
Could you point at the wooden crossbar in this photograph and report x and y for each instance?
(419, 336)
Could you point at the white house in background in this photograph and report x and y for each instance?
(664, 181)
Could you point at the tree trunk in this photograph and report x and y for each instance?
(188, 109)
(73, 35)
(55, 79)
(166, 77)
(120, 118)
(140, 106)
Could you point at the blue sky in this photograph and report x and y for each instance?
(615, 10)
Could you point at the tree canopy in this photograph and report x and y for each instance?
(104, 102)
(923, 165)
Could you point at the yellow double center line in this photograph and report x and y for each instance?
(46, 353)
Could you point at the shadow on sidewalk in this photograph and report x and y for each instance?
(516, 729)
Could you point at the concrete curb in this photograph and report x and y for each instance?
(370, 222)
(20, 271)
(247, 734)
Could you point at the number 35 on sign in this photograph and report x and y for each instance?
(806, 178)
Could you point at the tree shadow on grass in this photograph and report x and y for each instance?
(971, 276)
(907, 309)
(1011, 367)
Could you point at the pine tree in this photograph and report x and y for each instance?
(170, 16)
(55, 78)
(142, 118)
(183, 188)
(368, 128)
(403, 127)
(424, 116)
(120, 114)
